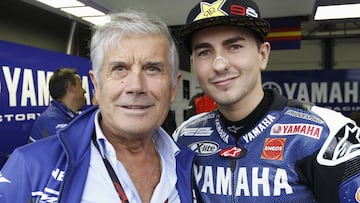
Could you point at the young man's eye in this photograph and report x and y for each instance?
(235, 46)
(203, 53)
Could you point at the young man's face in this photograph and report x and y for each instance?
(135, 92)
(228, 63)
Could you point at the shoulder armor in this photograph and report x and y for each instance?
(300, 104)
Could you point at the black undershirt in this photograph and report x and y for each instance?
(239, 128)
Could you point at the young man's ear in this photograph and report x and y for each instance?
(264, 55)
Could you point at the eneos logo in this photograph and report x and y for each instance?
(273, 148)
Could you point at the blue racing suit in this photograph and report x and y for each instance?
(55, 170)
(296, 152)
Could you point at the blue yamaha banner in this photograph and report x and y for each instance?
(334, 89)
(24, 75)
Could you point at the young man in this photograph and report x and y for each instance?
(66, 90)
(117, 152)
(258, 146)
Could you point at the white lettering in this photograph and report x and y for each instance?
(324, 92)
(290, 91)
(242, 183)
(85, 85)
(28, 88)
(44, 97)
(18, 117)
(11, 83)
(260, 180)
(208, 180)
(58, 174)
(281, 182)
(264, 182)
(335, 93)
(351, 92)
(266, 122)
(224, 180)
(28, 94)
(303, 93)
(319, 92)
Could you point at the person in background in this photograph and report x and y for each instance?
(258, 146)
(115, 151)
(66, 90)
(199, 103)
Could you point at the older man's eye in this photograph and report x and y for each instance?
(119, 68)
(118, 71)
(153, 69)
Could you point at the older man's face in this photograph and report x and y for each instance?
(135, 89)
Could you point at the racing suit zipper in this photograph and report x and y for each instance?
(233, 167)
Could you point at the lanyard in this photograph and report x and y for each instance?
(118, 187)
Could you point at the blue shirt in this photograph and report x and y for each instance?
(99, 187)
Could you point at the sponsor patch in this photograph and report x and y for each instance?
(304, 116)
(309, 130)
(204, 148)
(233, 152)
(273, 148)
(207, 131)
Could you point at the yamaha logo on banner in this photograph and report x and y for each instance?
(24, 95)
(334, 89)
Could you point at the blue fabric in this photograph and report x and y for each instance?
(55, 117)
(56, 168)
(296, 152)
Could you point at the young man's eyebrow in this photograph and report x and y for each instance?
(201, 45)
(225, 42)
(232, 40)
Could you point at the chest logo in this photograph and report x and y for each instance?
(233, 152)
(204, 148)
(313, 131)
(273, 148)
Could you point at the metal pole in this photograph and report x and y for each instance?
(70, 42)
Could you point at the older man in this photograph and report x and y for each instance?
(117, 153)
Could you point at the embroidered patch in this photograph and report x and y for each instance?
(233, 152)
(273, 148)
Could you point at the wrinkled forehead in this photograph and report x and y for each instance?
(155, 45)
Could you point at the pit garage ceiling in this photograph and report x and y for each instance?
(174, 12)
